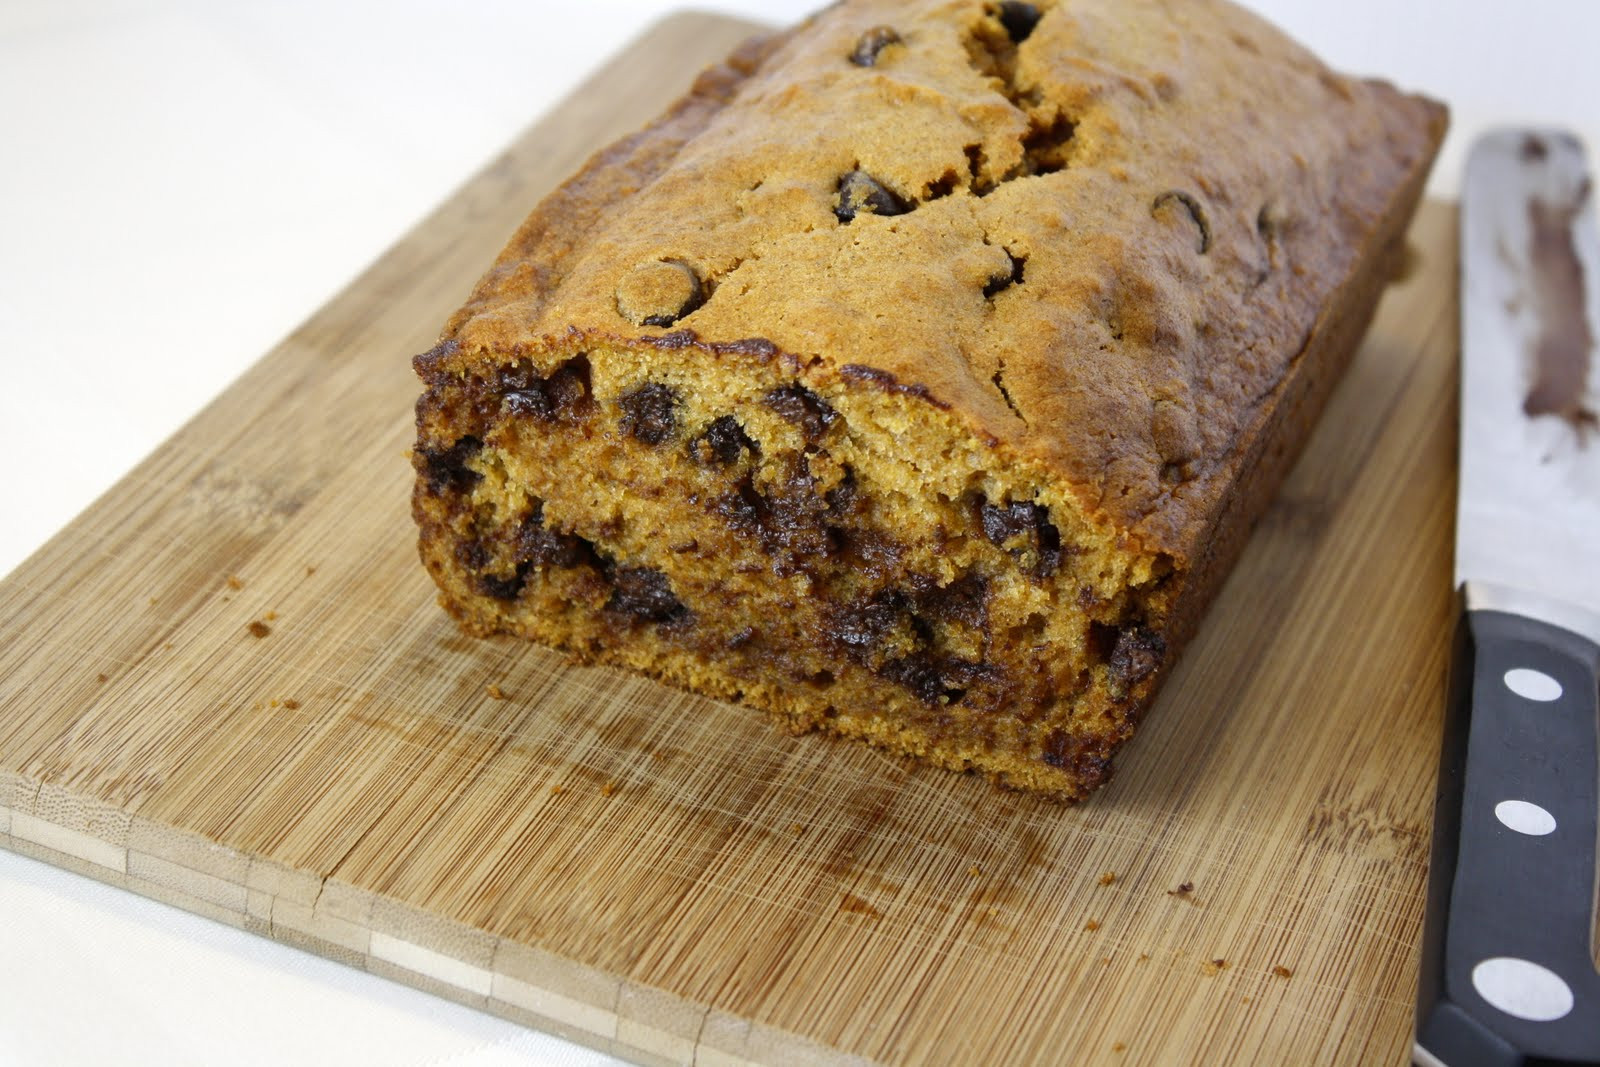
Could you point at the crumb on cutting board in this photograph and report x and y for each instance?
(1108, 877)
(258, 629)
(495, 692)
(1282, 972)
(1213, 967)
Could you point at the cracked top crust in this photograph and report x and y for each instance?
(1099, 230)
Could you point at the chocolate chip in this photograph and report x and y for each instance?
(645, 594)
(473, 555)
(568, 388)
(1081, 756)
(862, 627)
(790, 519)
(931, 677)
(659, 293)
(562, 395)
(965, 600)
(918, 673)
(1050, 550)
(871, 43)
(742, 509)
(446, 468)
(1005, 281)
(723, 442)
(841, 499)
(861, 192)
(1003, 522)
(539, 546)
(1019, 19)
(529, 403)
(650, 412)
(504, 587)
(1196, 213)
(799, 405)
(1138, 652)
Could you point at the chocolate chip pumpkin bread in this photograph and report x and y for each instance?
(919, 375)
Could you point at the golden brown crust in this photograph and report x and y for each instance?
(1103, 363)
(1093, 274)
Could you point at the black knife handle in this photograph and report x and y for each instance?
(1508, 973)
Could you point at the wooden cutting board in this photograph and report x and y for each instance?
(227, 686)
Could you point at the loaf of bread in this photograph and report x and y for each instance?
(918, 377)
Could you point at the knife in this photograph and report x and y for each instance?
(1508, 972)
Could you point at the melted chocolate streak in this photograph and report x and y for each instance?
(1561, 353)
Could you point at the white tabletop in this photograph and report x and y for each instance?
(182, 182)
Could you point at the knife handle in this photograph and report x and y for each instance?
(1508, 973)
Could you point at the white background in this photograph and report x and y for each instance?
(182, 182)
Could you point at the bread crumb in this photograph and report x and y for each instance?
(102, 678)
(271, 616)
(1213, 967)
(557, 790)
(259, 629)
(495, 692)
(609, 789)
(1182, 891)
(796, 829)
(1282, 972)
(1144, 957)
(272, 703)
(234, 582)
(310, 570)
(292, 705)
(1108, 878)
(975, 871)
(1091, 926)
(1118, 1046)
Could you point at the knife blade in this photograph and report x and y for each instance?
(1508, 971)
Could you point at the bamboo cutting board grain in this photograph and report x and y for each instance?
(227, 685)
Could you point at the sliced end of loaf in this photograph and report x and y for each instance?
(825, 544)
